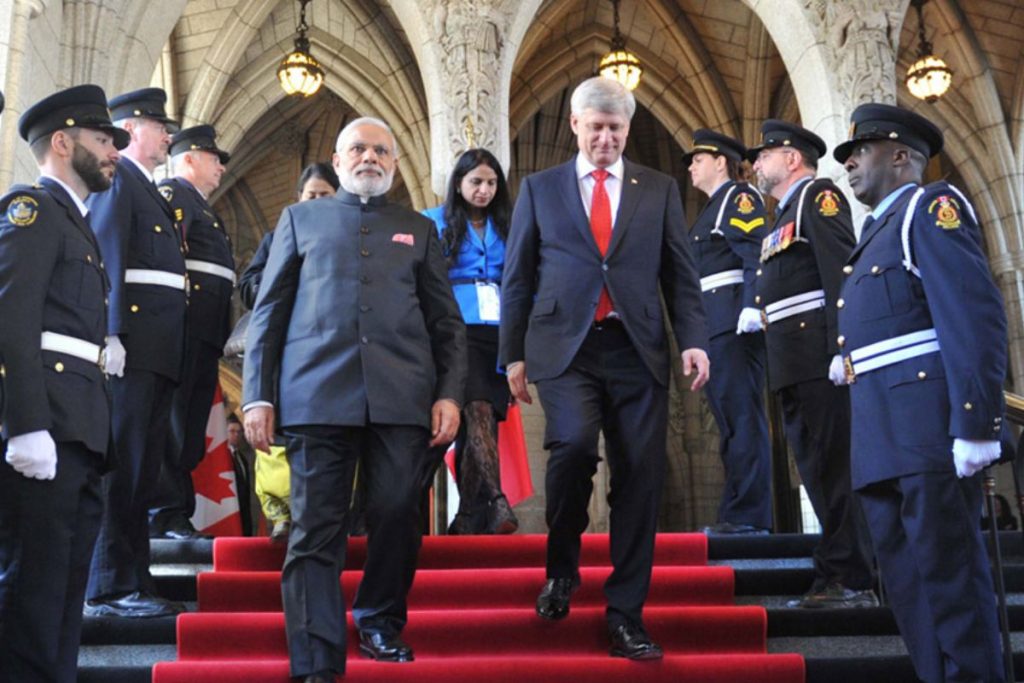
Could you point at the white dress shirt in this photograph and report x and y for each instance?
(612, 184)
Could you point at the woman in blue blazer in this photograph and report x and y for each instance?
(473, 224)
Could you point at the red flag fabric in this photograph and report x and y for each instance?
(217, 512)
(516, 483)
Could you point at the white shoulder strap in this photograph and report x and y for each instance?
(721, 211)
(800, 209)
(908, 219)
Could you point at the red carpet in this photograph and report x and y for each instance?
(472, 619)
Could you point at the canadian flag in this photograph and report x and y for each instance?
(217, 511)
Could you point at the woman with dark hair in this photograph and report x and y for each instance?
(473, 225)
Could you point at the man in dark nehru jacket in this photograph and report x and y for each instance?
(798, 289)
(925, 339)
(145, 260)
(726, 239)
(56, 419)
(198, 166)
(360, 323)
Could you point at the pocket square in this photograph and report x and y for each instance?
(404, 238)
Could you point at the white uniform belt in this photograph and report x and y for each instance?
(726, 277)
(72, 346)
(141, 276)
(893, 350)
(791, 305)
(210, 269)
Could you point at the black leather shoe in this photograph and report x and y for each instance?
(384, 647)
(835, 596)
(136, 605)
(553, 601)
(322, 677)
(730, 529)
(632, 642)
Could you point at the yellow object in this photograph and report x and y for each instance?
(273, 483)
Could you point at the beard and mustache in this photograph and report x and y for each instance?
(366, 180)
(91, 170)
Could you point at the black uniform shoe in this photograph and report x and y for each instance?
(730, 529)
(632, 642)
(553, 601)
(384, 647)
(136, 605)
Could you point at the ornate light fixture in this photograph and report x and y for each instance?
(299, 72)
(620, 64)
(929, 77)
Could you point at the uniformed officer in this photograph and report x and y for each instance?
(53, 291)
(726, 240)
(798, 289)
(144, 254)
(198, 166)
(925, 340)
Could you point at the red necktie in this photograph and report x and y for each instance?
(601, 227)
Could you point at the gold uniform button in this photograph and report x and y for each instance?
(840, 303)
(757, 299)
(195, 286)
(758, 272)
(88, 258)
(922, 375)
(216, 224)
(157, 228)
(841, 340)
(968, 406)
(58, 366)
(875, 269)
(134, 308)
(848, 269)
(803, 325)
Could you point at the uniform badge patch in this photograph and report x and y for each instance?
(179, 214)
(947, 212)
(167, 191)
(744, 203)
(23, 210)
(746, 226)
(827, 202)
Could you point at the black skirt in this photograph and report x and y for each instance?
(483, 381)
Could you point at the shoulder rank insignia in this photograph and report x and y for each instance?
(167, 191)
(179, 214)
(947, 212)
(23, 210)
(827, 203)
(746, 226)
(744, 203)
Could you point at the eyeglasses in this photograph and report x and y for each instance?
(765, 153)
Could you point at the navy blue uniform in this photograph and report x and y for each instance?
(923, 520)
(798, 287)
(52, 279)
(726, 240)
(207, 326)
(139, 240)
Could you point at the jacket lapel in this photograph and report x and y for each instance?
(150, 187)
(62, 198)
(629, 199)
(892, 214)
(574, 203)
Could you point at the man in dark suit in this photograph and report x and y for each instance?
(198, 166)
(359, 323)
(925, 346)
(144, 255)
(798, 288)
(727, 240)
(243, 461)
(56, 420)
(592, 244)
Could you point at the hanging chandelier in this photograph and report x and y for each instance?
(299, 73)
(929, 77)
(620, 64)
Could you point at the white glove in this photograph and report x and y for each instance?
(114, 356)
(750, 321)
(33, 455)
(971, 456)
(836, 371)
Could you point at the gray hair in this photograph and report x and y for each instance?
(603, 95)
(366, 121)
(177, 161)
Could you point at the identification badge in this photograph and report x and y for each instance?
(488, 299)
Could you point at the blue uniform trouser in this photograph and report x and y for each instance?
(735, 393)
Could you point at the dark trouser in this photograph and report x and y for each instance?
(47, 533)
(186, 439)
(817, 424)
(925, 528)
(606, 388)
(392, 461)
(735, 393)
(141, 408)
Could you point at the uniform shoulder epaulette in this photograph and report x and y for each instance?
(945, 205)
(747, 208)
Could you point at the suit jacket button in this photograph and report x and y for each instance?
(58, 366)
(364, 252)
(848, 269)
(922, 375)
(802, 325)
(757, 299)
(758, 273)
(840, 303)
(195, 286)
(157, 228)
(875, 269)
(841, 340)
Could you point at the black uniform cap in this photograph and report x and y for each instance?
(709, 141)
(776, 133)
(147, 103)
(83, 106)
(873, 121)
(202, 138)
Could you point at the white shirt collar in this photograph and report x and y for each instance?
(138, 165)
(584, 168)
(74, 195)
